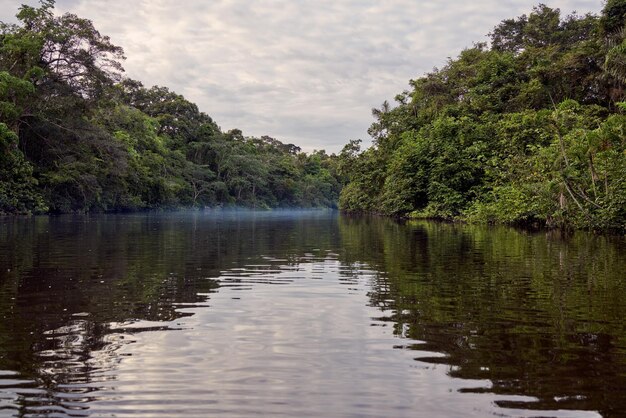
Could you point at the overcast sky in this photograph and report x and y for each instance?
(303, 71)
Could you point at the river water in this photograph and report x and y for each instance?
(307, 313)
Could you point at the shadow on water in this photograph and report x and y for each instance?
(535, 314)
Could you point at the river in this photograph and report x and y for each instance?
(307, 313)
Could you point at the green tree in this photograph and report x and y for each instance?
(18, 188)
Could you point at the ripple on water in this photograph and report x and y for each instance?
(163, 316)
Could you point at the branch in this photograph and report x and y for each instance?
(582, 194)
(576, 201)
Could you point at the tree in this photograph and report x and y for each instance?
(18, 188)
(66, 59)
(76, 137)
(613, 17)
(523, 131)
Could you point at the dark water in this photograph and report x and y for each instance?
(307, 314)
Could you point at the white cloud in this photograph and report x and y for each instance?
(305, 71)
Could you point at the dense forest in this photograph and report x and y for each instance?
(77, 136)
(529, 128)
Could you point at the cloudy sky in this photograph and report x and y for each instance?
(302, 71)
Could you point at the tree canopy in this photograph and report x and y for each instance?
(526, 129)
(76, 135)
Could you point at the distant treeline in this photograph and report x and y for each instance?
(529, 128)
(76, 136)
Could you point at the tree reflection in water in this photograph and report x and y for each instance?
(534, 316)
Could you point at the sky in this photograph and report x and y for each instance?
(306, 72)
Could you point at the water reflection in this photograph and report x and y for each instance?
(536, 314)
(298, 314)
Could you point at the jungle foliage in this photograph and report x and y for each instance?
(77, 136)
(527, 129)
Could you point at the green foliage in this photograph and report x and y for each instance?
(12, 89)
(576, 179)
(615, 62)
(613, 16)
(18, 192)
(523, 132)
(76, 137)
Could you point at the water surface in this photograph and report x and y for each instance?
(306, 314)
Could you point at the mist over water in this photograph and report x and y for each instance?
(306, 313)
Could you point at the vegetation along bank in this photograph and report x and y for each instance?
(76, 136)
(528, 128)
